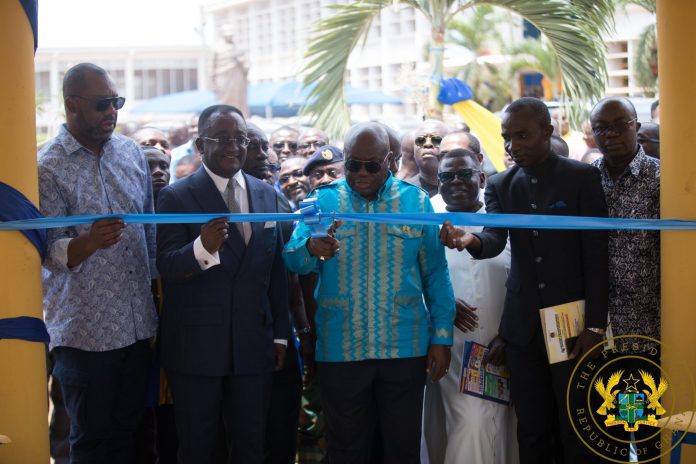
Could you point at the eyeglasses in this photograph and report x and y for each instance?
(274, 167)
(103, 104)
(318, 143)
(240, 140)
(617, 128)
(254, 145)
(285, 178)
(319, 173)
(280, 145)
(372, 167)
(462, 174)
(435, 139)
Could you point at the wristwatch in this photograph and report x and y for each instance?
(304, 331)
(597, 330)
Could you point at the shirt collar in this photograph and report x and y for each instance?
(633, 167)
(543, 168)
(221, 182)
(70, 143)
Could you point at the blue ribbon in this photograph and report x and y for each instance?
(524, 221)
(26, 328)
(15, 206)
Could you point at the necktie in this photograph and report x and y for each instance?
(233, 206)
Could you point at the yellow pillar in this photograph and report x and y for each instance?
(23, 392)
(676, 22)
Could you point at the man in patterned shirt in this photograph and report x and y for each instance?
(631, 183)
(97, 302)
(375, 337)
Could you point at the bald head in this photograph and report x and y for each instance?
(367, 155)
(428, 137)
(362, 131)
(75, 79)
(613, 101)
(614, 124)
(464, 140)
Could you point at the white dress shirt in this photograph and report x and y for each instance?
(207, 260)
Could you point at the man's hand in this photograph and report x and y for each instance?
(307, 352)
(438, 361)
(465, 319)
(325, 247)
(455, 237)
(496, 352)
(586, 341)
(214, 234)
(279, 355)
(103, 233)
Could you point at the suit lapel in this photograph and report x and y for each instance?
(209, 201)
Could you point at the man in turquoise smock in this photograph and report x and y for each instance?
(385, 312)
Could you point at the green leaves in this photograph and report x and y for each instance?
(573, 30)
(335, 37)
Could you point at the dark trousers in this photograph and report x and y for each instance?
(59, 424)
(200, 402)
(544, 432)
(356, 396)
(104, 394)
(284, 411)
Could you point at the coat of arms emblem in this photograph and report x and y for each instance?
(630, 406)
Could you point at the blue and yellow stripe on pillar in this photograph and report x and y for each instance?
(23, 392)
(484, 124)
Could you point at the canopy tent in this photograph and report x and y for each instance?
(484, 124)
(268, 99)
(191, 101)
(284, 98)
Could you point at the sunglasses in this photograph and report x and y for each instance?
(372, 167)
(240, 140)
(318, 143)
(285, 178)
(274, 167)
(253, 146)
(617, 128)
(103, 104)
(462, 174)
(280, 145)
(435, 139)
(331, 172)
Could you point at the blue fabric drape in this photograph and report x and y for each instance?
(15, 206)
(26, 328)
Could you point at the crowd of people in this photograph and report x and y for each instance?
(257, 342)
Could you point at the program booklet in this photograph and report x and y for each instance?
(561, 326)
(489, 382)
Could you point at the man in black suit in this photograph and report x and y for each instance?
(549, 267)
(224, 326)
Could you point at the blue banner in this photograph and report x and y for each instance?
(525, 221)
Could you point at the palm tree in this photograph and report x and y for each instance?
(536, 55)
(479, 33)
(644, 67)
(573, 29)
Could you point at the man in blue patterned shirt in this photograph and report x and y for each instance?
(385, 306)
(96, 280)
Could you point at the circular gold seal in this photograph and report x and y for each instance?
(327, 155)
(622, 403)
